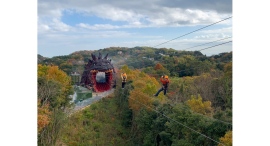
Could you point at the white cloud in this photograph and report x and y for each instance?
(43, 28)
(57, 25)
(98, 26)
(52, 25)
(224, 30)
(49, 9)
(130, 14)
(215, 34)
(117, 14)
(139, 16)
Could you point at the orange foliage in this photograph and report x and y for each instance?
(43, 116)
(158, 66)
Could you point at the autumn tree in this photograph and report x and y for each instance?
(144, 87)
(222, 88)
(158, 66)
(199, 106)
(227, 139)
(54, 88)
(228, 69)
(43, 116)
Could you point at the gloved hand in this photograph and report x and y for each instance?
(162, 76)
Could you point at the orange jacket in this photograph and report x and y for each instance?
(124, 77)
(164, 81)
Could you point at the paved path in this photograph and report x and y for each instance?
(96, 96)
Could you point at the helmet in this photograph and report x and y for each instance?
(124, 74)
(166, 77)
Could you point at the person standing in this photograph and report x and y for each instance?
(124, 79)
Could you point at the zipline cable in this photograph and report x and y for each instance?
(201, 50)
(177, 121)
(204, 49)
(206, 43)
(193, 31)
(215, 45)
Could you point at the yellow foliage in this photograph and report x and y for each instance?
(138, 100)
(227, 139)
(149, 88)
(189, 79)
(54, 73)
(132, 74)
(197, 105)
(185, 59)
(205, 75)
(139, 84)
(42, 69)
(228, 69)
(144, 88)
(126, 69)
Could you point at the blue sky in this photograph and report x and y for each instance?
(68, 26)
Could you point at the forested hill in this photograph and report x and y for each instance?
(142, 57)
(197, 110)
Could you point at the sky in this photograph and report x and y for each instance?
(68, 26)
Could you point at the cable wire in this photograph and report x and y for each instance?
(183, 70)
(206, 43)
(177, 122)
(205, 49)
(215, 45)
(193, 31)
(174, 120)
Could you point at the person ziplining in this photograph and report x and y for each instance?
(165, 82)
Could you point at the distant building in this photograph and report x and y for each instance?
(162, 54)
(80, 62)
(148, 58)
(119, 52)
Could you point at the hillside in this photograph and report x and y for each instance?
(197, 110)
(138, 58)
(133, 116)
